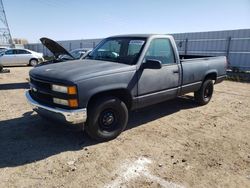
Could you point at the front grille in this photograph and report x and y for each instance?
(42, 93)
(40, 83)
(42, 97)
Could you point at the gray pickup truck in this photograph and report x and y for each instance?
(122, 73)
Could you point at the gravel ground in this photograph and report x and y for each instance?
(173, 144)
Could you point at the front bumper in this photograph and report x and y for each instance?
(41, 60)
(68, 116)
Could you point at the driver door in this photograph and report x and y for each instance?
(156, 85)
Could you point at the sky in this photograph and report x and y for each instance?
(80, 19)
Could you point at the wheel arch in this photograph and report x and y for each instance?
(211, 75)
(121, 93)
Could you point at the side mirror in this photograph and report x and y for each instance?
(152, 64)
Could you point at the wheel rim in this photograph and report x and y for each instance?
(108, 120)
(33, 62)
(208, 91)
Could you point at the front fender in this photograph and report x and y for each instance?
(88, 88)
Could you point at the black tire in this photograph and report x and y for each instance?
(107, 118)
(33, 62)
(204, 94)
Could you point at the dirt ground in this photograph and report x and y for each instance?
(173, 144)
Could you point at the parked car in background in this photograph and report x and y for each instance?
(15, 57)
(61, 54)
(3, 49)
(76, 53)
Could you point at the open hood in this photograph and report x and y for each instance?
(55, 48)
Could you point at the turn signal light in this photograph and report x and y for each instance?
(73, 103)
(72, 90)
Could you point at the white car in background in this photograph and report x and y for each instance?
(15, 57)
(3, 49)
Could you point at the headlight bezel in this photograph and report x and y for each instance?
(70, 100)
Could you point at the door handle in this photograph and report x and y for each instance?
(175, 71)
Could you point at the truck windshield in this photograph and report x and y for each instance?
(120, 50)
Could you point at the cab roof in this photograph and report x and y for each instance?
(136, 35)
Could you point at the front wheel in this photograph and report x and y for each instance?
(107, 118)
(204, 94)
(33, 62)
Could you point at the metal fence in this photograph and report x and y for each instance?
(68, 45)
(235, 44)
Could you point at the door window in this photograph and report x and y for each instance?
(22, 52)
(135, 47)
(10, 52)
(161, 49)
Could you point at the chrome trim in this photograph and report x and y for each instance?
(158, 92)
(191, 84)
(223, 76)
(219, 79)
(71, 116)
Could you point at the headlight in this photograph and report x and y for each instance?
(64, 89)
(61, 89)
(60, 101)
(70, 102)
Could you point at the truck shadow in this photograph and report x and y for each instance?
(10, 86)
(157, 111)
(30, 138)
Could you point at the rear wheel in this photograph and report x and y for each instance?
(107, 118)
(33, 62)
(204, 94)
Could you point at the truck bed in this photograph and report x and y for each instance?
(182, 57)
(193, 75)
